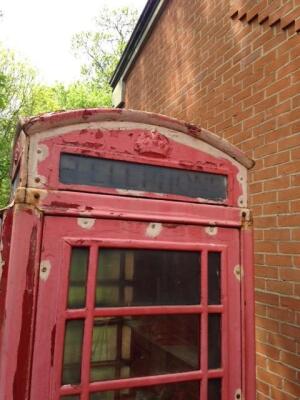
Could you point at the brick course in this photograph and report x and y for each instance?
(234, 68)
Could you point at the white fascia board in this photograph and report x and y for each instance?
(118, 96)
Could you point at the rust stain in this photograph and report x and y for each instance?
(61, 204)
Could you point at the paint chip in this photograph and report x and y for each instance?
(238, 272)
(211, 230)
(238, 395)
(45, 268)
(153, 229)
(130, 192)
(240, 178)
(1, 260)
(241, 201)
(42, 152)
(86, 223)
(40, 181)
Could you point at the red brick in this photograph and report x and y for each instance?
(215, 75)
(295, 206)
(292, 388)
(273, 379)
(290, 359)
(277, 394)
(290, 274)
(289, 194)
(289, 248)
(277, 234)
(278, 86)
(279, 260)
(266, 298)
(262, 387)
(285, 288)
(261, 361)
(281, 369)
(291, 303)
(266, 247)
(276, 184)
(279, 109)
(289, 68)
(290, 91)
(262, 151)
(282, 342)
(278, 158)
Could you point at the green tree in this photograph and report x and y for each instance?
(102, 48)
(21, 95)
(16, 80)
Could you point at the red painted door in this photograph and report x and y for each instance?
(137, 311)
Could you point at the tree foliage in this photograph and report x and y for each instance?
(22, 95)
(16, 81)
(102, 48)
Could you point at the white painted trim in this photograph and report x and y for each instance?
(121, 81)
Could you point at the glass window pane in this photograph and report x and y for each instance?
(77, 277)
(169, 391)
(144, 345)
(83, 170)
(147, 277)
(214, 341)
(214, 278)
(72, 352)
(71, 397)
(214, 389)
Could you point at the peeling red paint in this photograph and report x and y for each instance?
(53, 333)
(61, 204)
(22, 375)
(80, 215)
(6, 229)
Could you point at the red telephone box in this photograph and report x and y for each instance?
(126, 262)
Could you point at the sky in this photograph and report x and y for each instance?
(41, 30)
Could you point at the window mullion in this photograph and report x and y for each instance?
(204, 324)
(88, 330)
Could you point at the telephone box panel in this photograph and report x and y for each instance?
(132, 277)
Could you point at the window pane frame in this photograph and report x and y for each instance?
(203, 309)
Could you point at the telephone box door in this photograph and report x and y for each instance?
(137, 310)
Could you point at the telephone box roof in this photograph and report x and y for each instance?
(54, 120)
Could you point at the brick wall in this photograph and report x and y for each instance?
(234, 68)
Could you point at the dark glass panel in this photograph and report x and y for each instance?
(71, 397)
(214, 278)
(82, 170)
(72, 352)
(214, 341)
(214, 389)
(126, 347)
(147, 277)
(169, 391)
(77, 277)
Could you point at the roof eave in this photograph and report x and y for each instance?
(139, 35)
